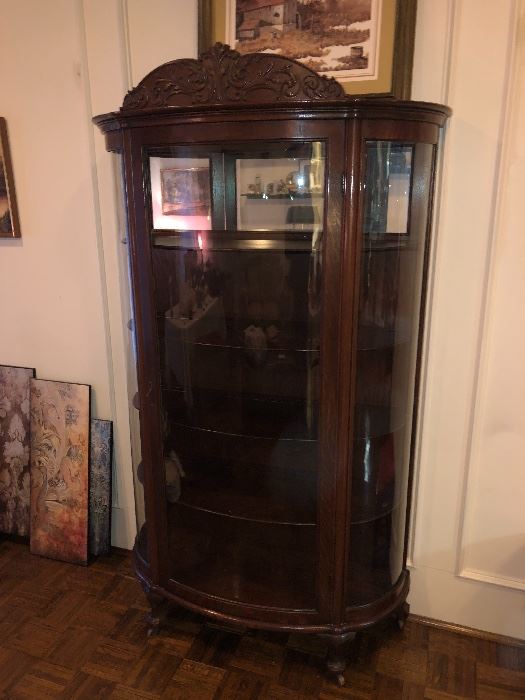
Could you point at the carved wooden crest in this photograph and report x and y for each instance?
(222, 76)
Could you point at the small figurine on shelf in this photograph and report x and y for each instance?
(282, 187)
(272, 333)
(174, 475)
(256, 346)
(187, 302)
(291, 181)
(270, 189)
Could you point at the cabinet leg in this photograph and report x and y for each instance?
(159, 611)
(337, 656)
(401, 615)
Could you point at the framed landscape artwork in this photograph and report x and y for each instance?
(60, 425)
(367, 45)
(9, 222)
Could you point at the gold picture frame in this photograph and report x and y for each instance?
(396, 20)
(9, 221)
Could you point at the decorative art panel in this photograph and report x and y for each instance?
(59, 470)
(100, 486)
(14, 449)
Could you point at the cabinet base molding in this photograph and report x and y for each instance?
(339, 637)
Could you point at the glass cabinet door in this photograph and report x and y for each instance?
(237, 242)
(394, 226)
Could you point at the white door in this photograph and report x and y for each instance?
(468, 530)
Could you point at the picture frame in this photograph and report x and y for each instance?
(391, 31)
(59, 467)
(9, 220)
(185, 191)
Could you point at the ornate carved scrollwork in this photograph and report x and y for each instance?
(222, 76)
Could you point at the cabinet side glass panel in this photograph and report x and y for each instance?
(396, 198)
(131, 362)
(238, 326)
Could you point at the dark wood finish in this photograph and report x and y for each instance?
(290, 513)
(223, 76)
(75, 632)
(337, 655)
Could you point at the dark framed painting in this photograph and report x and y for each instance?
(367, 45)
(9, 221)
(60, 432)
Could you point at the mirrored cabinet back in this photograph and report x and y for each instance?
(278, 244)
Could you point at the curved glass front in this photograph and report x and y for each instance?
(237, 252)
(396, 205)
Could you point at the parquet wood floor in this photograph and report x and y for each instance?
(73, 632)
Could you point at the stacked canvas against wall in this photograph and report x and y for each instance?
(55, 467)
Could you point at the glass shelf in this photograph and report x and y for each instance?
(283, 379)
(381, 338)
(242, 414)
(376, 476)
(387, 244)
(250, 492)
(207, 552)
(223, 449)
(375, 421)
(289, 335)
(288, 195)
(299, 241)
(376, 556)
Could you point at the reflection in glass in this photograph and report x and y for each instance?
(387, 187)
(238, 323)
(388, 332)
(275, 187)
(280, 193)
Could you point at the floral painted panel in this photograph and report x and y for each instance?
(100, 486)
(59, 470)
(14, 449)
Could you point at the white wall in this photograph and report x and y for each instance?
(468, 535)
(61, 300)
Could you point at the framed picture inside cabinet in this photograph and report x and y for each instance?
(367, 45)
(181, 191)
(9, 222)
(185, 191)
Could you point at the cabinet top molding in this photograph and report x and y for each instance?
(224, 76)
(223, 80)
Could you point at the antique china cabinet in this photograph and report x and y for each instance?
(278, 238)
